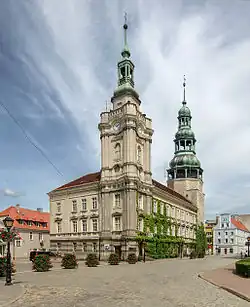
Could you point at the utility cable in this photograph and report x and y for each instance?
(29, 139)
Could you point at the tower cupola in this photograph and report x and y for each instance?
(184, 164)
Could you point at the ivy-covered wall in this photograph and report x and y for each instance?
(159, 232)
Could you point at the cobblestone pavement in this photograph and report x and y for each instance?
(161, 283)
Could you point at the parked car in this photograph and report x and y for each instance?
(33, 254)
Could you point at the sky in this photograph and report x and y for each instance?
(58, 68)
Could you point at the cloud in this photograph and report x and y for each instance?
(68, 62)
(11, 193)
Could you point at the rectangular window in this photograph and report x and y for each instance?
(140, 225)
(74, 246)
(40, 236)
(167, 210)
(74, 205)
(218, 233)
(94, 247)
(18, 243)
(226, 240)
(31, 236)
(117, 200)
(226, 233)
(232, 240)
(219, 241)
(95, 225)
(84, 204)
(154, 206)
(29, 223)
(74, 223)
(59, 208)
(58, 245)
(59, 227)
(222, 225)
(140, 202)
(84, 225)
(232, 233)
(84, 247)
(94, 203)
(231, 250)
(117, 223)
(173, 212)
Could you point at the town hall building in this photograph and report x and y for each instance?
(103, 212)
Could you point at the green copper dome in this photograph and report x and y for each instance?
(185, 133)
(188, 160)
(184, 111)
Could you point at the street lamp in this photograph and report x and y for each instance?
(8, 223)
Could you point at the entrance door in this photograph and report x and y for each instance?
(225, 251)
(118, 251)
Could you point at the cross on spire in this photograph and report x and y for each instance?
(184, 90)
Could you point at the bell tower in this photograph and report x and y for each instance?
(185, 172)
(126, 137)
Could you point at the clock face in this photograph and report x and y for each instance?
(117, 126)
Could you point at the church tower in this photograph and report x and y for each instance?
(185, 172)
(126, 137)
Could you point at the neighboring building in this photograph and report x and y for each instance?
(104, 211)
(33, 229)
(230, 235)
(209, 230)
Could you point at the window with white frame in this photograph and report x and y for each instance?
(95, 225)
(154, 206)
(140, 224)
(117, 222)
(84, 225)
(18, 243)
(117, 200)
(84, 204)
(31, 236)
(94, 203)
(40, 235)
(74, 224)
(140, 202)
(74, 205)
(59, 207)
(59, 227)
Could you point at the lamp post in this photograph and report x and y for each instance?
(8, 223)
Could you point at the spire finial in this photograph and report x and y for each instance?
(184, 90)
(125, 51)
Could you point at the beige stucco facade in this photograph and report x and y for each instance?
(102, 212)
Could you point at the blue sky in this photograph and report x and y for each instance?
(58, 67)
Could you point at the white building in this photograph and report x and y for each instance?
(230, 235)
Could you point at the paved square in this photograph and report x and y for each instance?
(171, 282)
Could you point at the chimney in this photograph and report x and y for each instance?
(39, 209)
(17, 208)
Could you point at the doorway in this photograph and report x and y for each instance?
(118, 251)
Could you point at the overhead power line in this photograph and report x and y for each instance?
(29, 139)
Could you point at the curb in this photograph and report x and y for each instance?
(230, 290)
(24, 290)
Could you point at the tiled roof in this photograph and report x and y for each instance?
(238, 224)
(170, 191)
(82, 180)
(19, 213)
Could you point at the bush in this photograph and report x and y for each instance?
(42, 263)
(132, 259)
(3, 266)
(113, 259)
(243, 268)
(69, 261)
(92, 260)
(193, 255)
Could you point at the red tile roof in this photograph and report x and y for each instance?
(19, 213)
(238, 224)
(170, 191)
(93, 177)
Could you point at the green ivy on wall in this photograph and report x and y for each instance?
(161, 244)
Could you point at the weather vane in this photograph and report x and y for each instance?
(184, 88)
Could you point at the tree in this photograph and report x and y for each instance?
(201, 241)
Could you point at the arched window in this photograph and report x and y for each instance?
(117, 151)
(139, 154)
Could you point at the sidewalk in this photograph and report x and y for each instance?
(9, 294)
(226, 279)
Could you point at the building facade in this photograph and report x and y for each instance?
(103, 212)
(32, 227)
(230, 235)
(209, 230)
